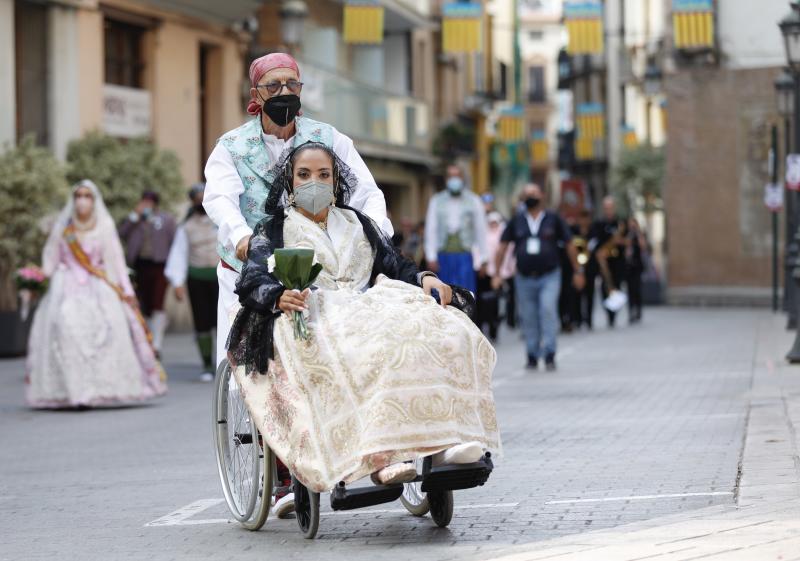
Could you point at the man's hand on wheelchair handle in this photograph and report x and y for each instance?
(445, 292)
(293, 300)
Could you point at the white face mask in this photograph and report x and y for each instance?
(83, 205)
(455, 185)
(313, 196)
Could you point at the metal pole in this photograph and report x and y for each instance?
(793, 355)
(773, 164)
(788, 285)
(517, 56)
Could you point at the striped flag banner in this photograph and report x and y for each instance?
(693, 24)
(540, 148)
(363, 22)
(461, 27)
(511, 125)
(590, 121)
(584, 22)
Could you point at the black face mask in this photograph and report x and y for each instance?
(532, 202)
(282, 109)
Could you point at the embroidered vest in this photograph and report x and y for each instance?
(466, 231)
(255, 167)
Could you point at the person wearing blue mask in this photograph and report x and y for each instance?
(455, 226)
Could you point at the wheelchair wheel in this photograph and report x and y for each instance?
(413, 498)
(441, 504)
(306, 509)
(244, 463)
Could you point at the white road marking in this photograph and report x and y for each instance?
(640, 498)
(181, 516)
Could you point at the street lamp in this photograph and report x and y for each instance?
(790, 29)
(784, 90)
(293, 15)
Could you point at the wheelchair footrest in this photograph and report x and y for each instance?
(343, 498)
(458, 476)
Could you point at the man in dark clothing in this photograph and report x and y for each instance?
(147, 233)
(536, 234)
(608, 251)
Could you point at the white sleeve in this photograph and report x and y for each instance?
(367, 197)
(178, 260)
(221, 198)
(431, 229)
(480, 230)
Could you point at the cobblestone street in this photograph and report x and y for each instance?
(638, 425)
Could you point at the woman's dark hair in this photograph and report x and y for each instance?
(344, 180)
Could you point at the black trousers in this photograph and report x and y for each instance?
(488, 309)
(203, 295)
(634, 282)
(617, 268)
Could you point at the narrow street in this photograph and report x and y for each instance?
(639, 423)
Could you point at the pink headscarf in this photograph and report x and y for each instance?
(261, 66)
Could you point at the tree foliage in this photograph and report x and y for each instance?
(122, 170)
(637, 178)
(32, 186)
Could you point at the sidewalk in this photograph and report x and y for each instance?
(764, 522)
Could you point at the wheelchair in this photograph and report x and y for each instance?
(248, 473)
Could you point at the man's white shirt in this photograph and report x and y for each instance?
(453, 209)
(224, 187)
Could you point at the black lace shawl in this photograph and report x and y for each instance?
(250, 342)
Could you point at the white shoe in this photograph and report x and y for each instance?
(284, 506)
(206, 377)
(395, 473)
(466, 453)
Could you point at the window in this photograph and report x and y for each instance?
(535, 35)
(536, 86)
(124, 60)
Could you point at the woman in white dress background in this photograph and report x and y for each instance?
(88, 345)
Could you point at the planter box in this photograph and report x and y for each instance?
(14, 333)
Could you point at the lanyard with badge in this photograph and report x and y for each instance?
(534, 245)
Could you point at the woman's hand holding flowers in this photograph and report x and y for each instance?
(293, 300)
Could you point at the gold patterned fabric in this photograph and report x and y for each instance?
(388, 375)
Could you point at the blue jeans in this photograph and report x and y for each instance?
(537, 302)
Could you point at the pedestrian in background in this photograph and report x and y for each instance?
(635, 255)
(455, 224)
(568, 296)
(582, 313)
(192, 266)
(608, 242)
(408, 240)
(147, 233)
(88, 343)
(536, 233)
(488, 297)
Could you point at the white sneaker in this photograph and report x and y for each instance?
(284, 506)
(466, 453)
(206, 377)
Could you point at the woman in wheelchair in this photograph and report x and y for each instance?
(388, 375)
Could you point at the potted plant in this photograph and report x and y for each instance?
(122, 170)
(32, 187)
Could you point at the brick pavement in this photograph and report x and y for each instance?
(654, 411)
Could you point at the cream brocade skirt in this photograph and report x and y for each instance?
(388, 375)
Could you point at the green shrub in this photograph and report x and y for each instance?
(637, 178)
(122, 170)
(32, 186)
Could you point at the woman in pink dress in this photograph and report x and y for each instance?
(88, 344)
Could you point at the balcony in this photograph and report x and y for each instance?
(381, 124)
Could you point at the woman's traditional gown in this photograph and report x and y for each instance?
(86, 346)
(388, 374)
